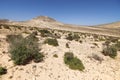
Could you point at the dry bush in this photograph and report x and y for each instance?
(110, 51)
(52, 42)
(23, 50)
(73, 62)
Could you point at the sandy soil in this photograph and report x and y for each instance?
(54, 68)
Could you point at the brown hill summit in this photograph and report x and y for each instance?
(44, 18)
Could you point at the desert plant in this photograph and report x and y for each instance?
(76, 37)
(3, 70)
(72, 37)
(55, 55)
(107, 43)
(14, 40)
(6, 27)
(81, 41)
(23, 50)
(113, 39)
(52, 42)
(38, 57)
(45, 33)
(95, 44)
(19, 27)
(73, 62)
(69, 56)
(67, 45)
(110, 51)
(0, 27)
(117, 45)
(69, 37)
(96, 36)
(101, 39)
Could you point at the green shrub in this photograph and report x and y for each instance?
(69, 37)
(107, 43)
(76, 37)
(19, 27)
(14, 40)
(110, 51)
(55, 55)
(3, 71)
(95, 36)
(23, 50)
(6, 27)
(52, 42)
(73, 62)
(95, 44)
(38, 57)
(114, 40)
(101, 39)
(0, 27)
(117, 45)
(73, 37)
(81, 41)
(67, 45)
(45, 33)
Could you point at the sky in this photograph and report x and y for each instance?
(80, 12)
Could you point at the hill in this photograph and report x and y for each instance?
(110, 25)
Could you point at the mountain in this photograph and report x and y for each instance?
(40, 21)
(44, 18)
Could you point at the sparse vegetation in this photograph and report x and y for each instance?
(45, 33)
(19, 27)
(0, 27)
(81, 41)
(26, 32)
(69, 37)
(110, 51)
(3, 70)
(113, 39)
(23, 50)
(73, 62)
(73, 37)
(107, 43)
(95, 36)
(117, 45)
(67, 45)
(76, 37)
(6, 27)
(95, 44)
(55, 55)
(101, 39)
(52, 42)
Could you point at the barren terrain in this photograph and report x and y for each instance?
(88, 48)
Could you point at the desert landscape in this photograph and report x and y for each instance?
(58, 51)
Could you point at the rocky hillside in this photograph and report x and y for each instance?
(113, 25)
(57, 51)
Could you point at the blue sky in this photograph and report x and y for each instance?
(81, 12)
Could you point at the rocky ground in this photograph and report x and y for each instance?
(88, 48)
